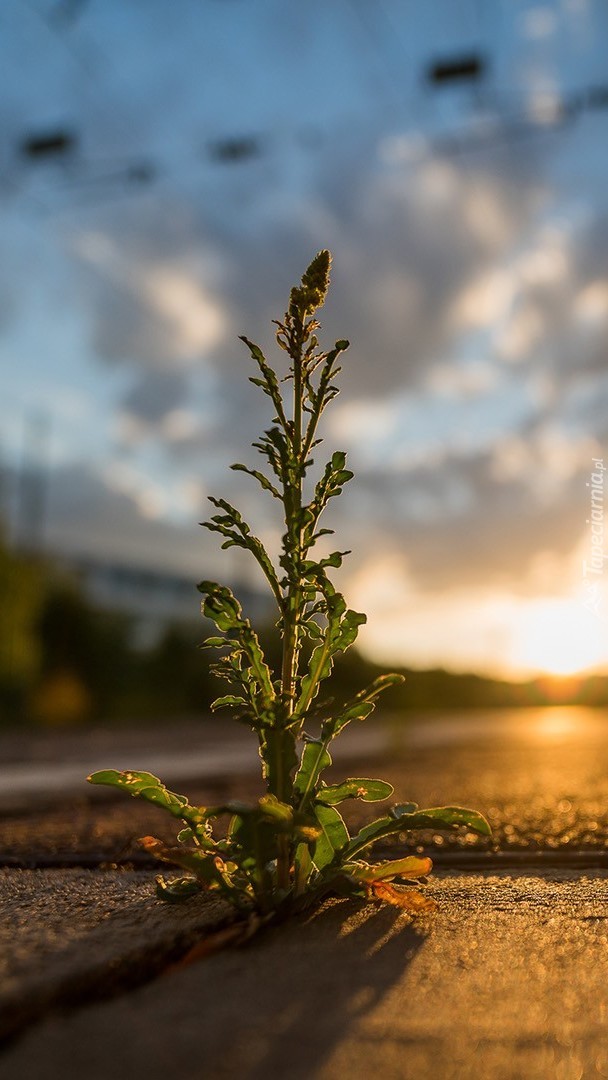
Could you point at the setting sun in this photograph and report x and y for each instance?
(559, 637)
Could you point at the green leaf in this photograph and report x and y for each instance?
(269, 381)
(334, 559)
(328, 486)
(203, 864)
(145, 786)
(280, 813)
(231, 525)
(264, 482)
(253, 842)
(303, 865)
(360, 707)
(220, 605)
(315, 758)
(448, 817)
(334, 725)
(384, 826)
(228, 699)
(408, 817)
(334, 836)
(340, 633)
(355, 788)
(177, 890)
(184, 835)
(223, 608)
(349, 628)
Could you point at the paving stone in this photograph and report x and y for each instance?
(508, 979)
(68, 935)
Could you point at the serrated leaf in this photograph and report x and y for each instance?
(384, 826)
(360, 707)
(231, 525)
(315, 758)
(355, 788)
(407, 817)
(334, 559)
(228, 699)
(145, 786)
(349, 628)
(269, 381)
(340, 633)
(184, 835)
(264, 482)
(177, 890)
(223, 608)
(334, 725)
(448, 817)
(334, 836)
(206, 866)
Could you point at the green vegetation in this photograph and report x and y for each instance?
(20, 649)
(292, 846)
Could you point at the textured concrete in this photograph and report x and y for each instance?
(508, 979)
(69, 935)
(540, 776)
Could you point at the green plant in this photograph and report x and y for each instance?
(292, 846)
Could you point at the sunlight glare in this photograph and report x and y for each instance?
(559, 637)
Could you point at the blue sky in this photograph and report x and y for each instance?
(469, 229)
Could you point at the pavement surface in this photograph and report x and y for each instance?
(508, 978)
(539, 775)
(70, 936)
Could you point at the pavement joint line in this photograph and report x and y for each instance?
(457, 860)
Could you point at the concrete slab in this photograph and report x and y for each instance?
(508, 979)
(69, 935)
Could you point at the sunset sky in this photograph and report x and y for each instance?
(218, 146)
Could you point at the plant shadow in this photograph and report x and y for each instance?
(315, 983)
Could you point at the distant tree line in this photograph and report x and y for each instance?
(64, 661)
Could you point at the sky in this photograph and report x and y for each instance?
(217, 145)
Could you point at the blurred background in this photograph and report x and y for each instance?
(167, 172)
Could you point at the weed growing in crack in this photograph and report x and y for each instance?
(292, 847)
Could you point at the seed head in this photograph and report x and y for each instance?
(311, 294)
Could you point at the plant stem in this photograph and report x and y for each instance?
(293, 512)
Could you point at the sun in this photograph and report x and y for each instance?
(559, 637)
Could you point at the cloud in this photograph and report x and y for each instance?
(154, 395)
(148, 293)
(473, 289)
(462, 297)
